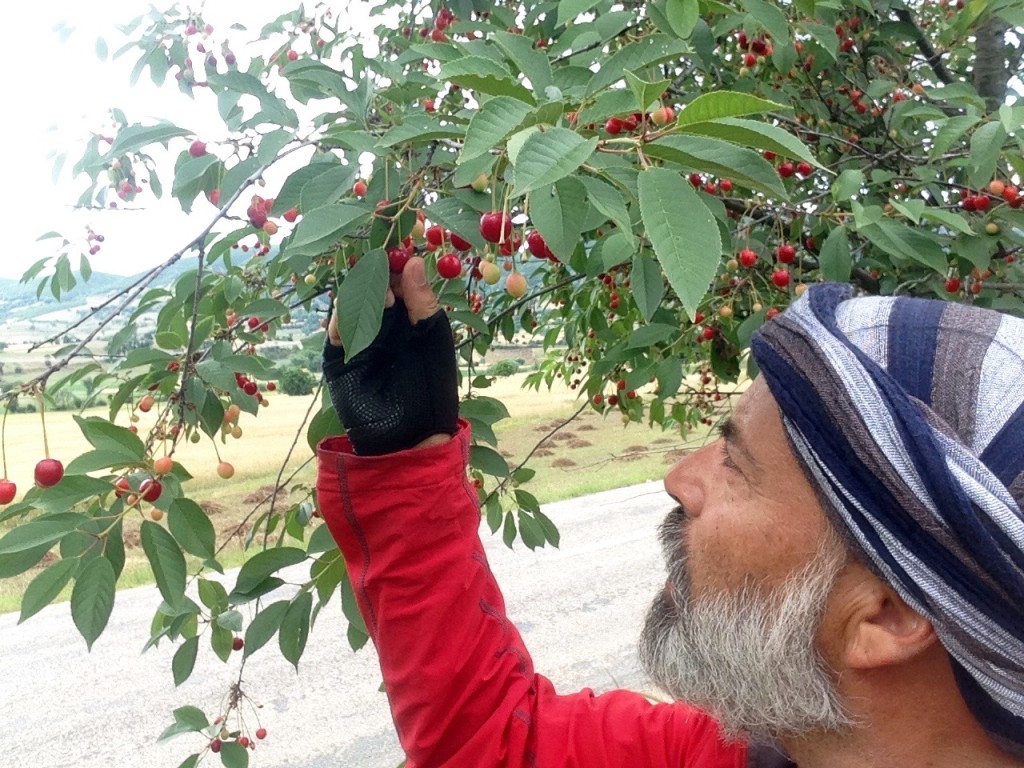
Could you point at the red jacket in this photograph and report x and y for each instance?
(460, 682)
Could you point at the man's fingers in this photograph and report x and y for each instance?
(332, 329)
(420, 300)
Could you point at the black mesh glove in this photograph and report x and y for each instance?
(399, 390)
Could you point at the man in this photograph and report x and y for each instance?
(846, 563)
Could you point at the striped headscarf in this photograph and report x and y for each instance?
(908, 415)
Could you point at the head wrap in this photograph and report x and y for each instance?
(908, 415)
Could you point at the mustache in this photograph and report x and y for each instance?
(672, 535)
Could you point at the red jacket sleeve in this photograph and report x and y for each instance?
(459, 679)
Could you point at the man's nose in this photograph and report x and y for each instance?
(688, 479)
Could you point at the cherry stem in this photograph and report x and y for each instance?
(42, 415)
(3, 436)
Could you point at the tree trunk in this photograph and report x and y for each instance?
(992, 65)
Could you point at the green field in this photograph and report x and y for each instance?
(592, 453)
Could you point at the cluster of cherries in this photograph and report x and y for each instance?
(48, 472)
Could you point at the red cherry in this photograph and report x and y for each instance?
(359, 188)
(781, 278)
(291, 214)
(614, 126)
(438, 36)
(197, 148)
(460, 243)
(725, 185)
(749, 60)
(215, 745)
(434, 236)
(805, 169)
(48, 473)
(982, 202)
(271, 386)
(261, 733)
(495, 226)
(953, 285)
(696, 179)
(237, 644)
(293, 55)
(785, 253)
(253, 322)
(708, 333)
(747, 258)
(769, 155)
(597, 400)
(449, 266)
(251, 388)
(787, 169)
(8, 491)
(613, 399)
(428, 105)
(538, 247)
(150, 490)
(397, 258)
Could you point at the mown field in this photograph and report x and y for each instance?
(592, 453)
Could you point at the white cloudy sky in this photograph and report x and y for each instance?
(57, 90)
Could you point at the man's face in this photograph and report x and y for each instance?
(751, 563)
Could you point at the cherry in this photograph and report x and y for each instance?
(538, 247)
(953, 285)
(663, 115)
(397, 258)
(291, 215)
(8, 490)
(271, 386)
(359, 188)
(449, 266)
(495, 226)
(598, 399)
(261, 733)
(150, 490)
(781, 278)
(614, 126)
(428, 105)
(749, 60)
(460, 243)
(785, 253)
(696, 180)
(215, 745)
(787, 169)
(804, 169)
(435, 236)
(516, 285)
(48, 473)
(197, 148)
(747, 258)
(121, 487)
(237, 644)
(253, 323)
(225, 470)
(725, 185)
(163, 465)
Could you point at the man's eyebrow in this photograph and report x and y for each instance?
(735, 442)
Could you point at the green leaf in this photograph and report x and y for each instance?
(486, 76)
(294, 629)
(360, 303)
(40, 532)
(321, 229)
(327, 188)
(420, 128)
(102, 434)
(615, 248)
(751, 133)
(948, 218)
(496, 119)
(986, 144)
(570, 9)
(213, 595)
(166, 560)
(634, 57)
(234, 755)
(684, 234)
(744, 166)
(187, 719)
(264, 626)
(191, 171)
(719, 104)
(950, 131)
(649, 335)
(135, 137)
(683, 16)
(896, 238)
(92, 599)
(559, 215)
(184, 661)
(647, 94)
(835, 257)
(770, 18)
(263, 564)
(488, 460)
(647, 285)
(609, 201)
(192, 527)
(533, 63)
(46, 586)
(848, 185)
(548, 156)
(324, 424)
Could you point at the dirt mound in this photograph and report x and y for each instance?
(563, 462)
(264, 493)
(579, 443)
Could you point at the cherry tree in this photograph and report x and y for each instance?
(636, 186)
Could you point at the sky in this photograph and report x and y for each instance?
(60, 90)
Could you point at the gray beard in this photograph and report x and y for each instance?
(746, 657)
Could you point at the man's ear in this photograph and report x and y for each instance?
(878, 628)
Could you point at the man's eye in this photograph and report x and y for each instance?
(727, 461)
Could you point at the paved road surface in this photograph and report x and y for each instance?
(579, 608)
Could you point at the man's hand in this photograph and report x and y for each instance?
(402, 391)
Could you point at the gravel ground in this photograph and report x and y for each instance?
(579, 608)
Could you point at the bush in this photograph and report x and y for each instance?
(503, 368)
(296, 381)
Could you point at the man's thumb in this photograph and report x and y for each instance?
(419, 298)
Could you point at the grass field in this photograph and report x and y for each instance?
(591, 454)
